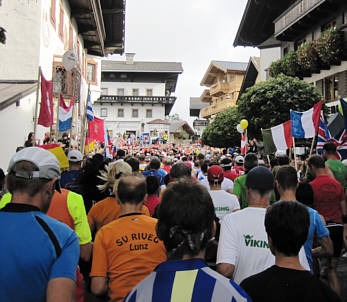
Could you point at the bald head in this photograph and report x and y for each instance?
(131, 190)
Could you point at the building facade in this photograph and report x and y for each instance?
(199, 124)
(313, 31)
(38, 34)
(135, 93)
(224, 80)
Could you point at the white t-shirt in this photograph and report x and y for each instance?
(227, 184)
(224, 203)
(243, 242)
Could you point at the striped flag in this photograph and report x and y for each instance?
(65, 114)
(277, 138)
(305, 124)
(324, 136)
(90, 112)
(244, 144)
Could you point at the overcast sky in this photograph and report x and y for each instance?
(193, 32)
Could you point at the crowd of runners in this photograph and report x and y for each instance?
(172, 223)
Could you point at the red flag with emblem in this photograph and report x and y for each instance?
(96, 130)
(46, 107)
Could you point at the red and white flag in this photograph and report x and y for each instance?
(46, 108)
(244, 144)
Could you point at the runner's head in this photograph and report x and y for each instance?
(250, 161)
(186, 219)
(34, 172)
(287, 224)
(286, 179)
(259, 184)
(131, 190)
(113, 174)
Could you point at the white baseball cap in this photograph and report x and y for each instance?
(75, 156)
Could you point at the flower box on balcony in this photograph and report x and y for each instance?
(312, 57)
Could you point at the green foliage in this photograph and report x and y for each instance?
(325, 51)
(268, 104)
(222, 131)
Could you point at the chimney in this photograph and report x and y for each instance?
(129, 57)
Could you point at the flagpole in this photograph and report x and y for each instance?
(73, 110)
(296, 164)
(311, 150)
(83, 132)
(57, 125)
(37, 103)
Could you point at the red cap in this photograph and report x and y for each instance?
(215, 173)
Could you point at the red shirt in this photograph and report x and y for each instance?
(231, 175)
(328, 194)
(167, 168)
(151, 203)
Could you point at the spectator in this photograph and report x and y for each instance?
(287, 225)
(126, 250)
(287, 182)
(329, 201)
(39, 263)
(243, 248)
(152, 199)
(109, 209)
(186, 224)
(30, 141)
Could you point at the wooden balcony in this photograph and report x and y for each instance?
(200, 123)
(302, 16)
(216, 108)
(166, 100)
(219, 89)
(294, 14)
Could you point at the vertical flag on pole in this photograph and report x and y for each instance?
(244, 143)
(46, 107)
(90, 112)
(65, 114)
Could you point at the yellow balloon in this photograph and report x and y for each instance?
(244, 124)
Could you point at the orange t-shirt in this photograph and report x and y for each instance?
(126, 251)
(105, 211)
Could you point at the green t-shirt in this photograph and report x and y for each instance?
(339, 170)
(240, 191)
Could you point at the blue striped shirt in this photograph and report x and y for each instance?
(185, 281)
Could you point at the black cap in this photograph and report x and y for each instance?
(260, 179)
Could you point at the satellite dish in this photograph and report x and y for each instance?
(69, 60)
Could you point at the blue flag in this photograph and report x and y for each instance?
(90, 112)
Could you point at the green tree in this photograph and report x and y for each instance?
(268, 104)
(222, 131)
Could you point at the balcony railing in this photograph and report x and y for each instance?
(219, 89)
(200, 123)
(137, 99)
(294, 14)
(216, 108)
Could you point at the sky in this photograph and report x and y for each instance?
(193, 32)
